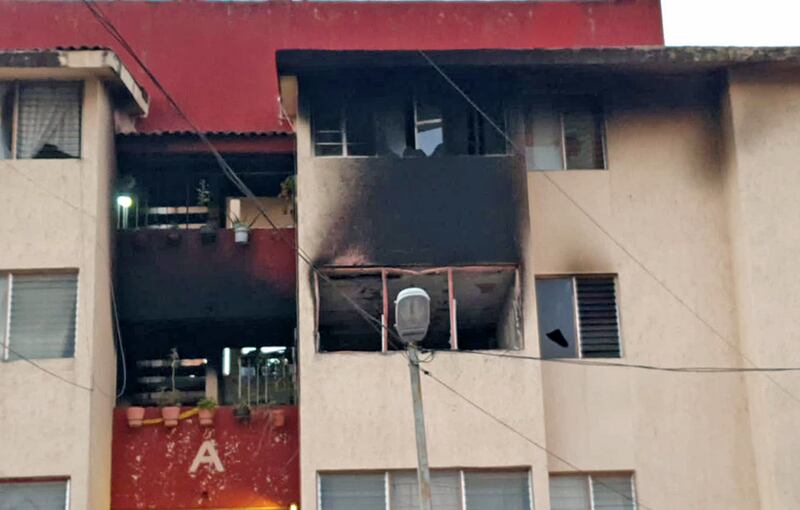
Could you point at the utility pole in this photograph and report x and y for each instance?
(423, 471)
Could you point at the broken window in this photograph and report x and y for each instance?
(587, 492)
(471, 308)
(40, 120)
(451, 490)
(38, 314)
(257, 376)
(565, 134)
(578, 317)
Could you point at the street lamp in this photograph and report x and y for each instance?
(124, 202)
(412, 317)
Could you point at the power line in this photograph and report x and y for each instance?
(638, 366)
(525, 437)
(605, 231)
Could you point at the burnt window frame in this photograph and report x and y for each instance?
(576, 313)
(563, 104)
(14, 94)
(388, 345)
(341, 111)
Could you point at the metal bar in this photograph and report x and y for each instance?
(451, 299)
(385, 315)
(423, 470)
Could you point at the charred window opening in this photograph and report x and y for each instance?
(415, 116)
(471, 308)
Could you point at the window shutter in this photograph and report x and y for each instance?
(49, 120)
(445, 490)
(43, 316)
(352, 491)
(597, 314)
(33, 496)
(569, 493)
(498, 491)
(612, 492)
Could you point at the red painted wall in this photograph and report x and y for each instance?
(150, 465)
(218, 58)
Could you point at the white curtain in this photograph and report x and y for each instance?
(6, 119)
(49, 114)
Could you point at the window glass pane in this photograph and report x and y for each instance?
(6, 118)
(543, 139)
(43, 309)
(33, 496)
(445, 490)
(583, 139)
(353, 491)
(360, 125)
(49, 120)
(428, 126)
(612, 492)
(569, 493)
(498, 491)
(556, 310)
(327, 131)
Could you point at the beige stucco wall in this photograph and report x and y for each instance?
(56, 216)
(762, 123)
(686, 436)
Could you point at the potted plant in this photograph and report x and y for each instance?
(135, 416)
(171, 400)
(288, 193)
(206, 414)
(278, 418)
(241, 232)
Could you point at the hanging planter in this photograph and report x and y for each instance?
(241, 233)
(135, 416)
(278, 417)
(242, 413)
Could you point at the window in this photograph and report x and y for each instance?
(40, 120)
(451, 490)
(578, 317)
(39, 312)
(476, 308)
(344, 131)
(565, 134)
(33, 495)
(592, 492)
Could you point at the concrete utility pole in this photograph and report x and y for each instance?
(412, 317)
(423, 471)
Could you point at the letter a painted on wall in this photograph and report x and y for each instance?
(207, 454)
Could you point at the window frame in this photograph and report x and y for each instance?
(45, 479)
(588, 478)
(557, 102)
(387, 481)
(5, 315)
(450, 273)
(341, 112)
(15, 120)
(576, 312)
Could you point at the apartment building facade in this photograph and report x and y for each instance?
(585, 208)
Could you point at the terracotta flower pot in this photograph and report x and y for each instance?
(135, 416)
(170, 415)
(278, 418)
(206, 417)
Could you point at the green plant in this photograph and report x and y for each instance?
(169, 398)
(288, 193)
(203, 193)
(207, 403)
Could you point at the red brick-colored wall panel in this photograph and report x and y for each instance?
(218, 58)
(150, 465)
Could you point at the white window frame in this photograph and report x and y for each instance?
(387, 474)
(15, 117)
(5, 342)
(67, 485)
(589, 479)
(576, 311)
(553, 101)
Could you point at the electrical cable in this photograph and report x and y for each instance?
(119, 340)
(635, 500)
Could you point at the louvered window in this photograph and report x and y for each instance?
(578, 317)
(592, 492)
(40, 119)
(33, 495)
(451, 490)
(40, 315)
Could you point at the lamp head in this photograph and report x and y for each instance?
(412, 314)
